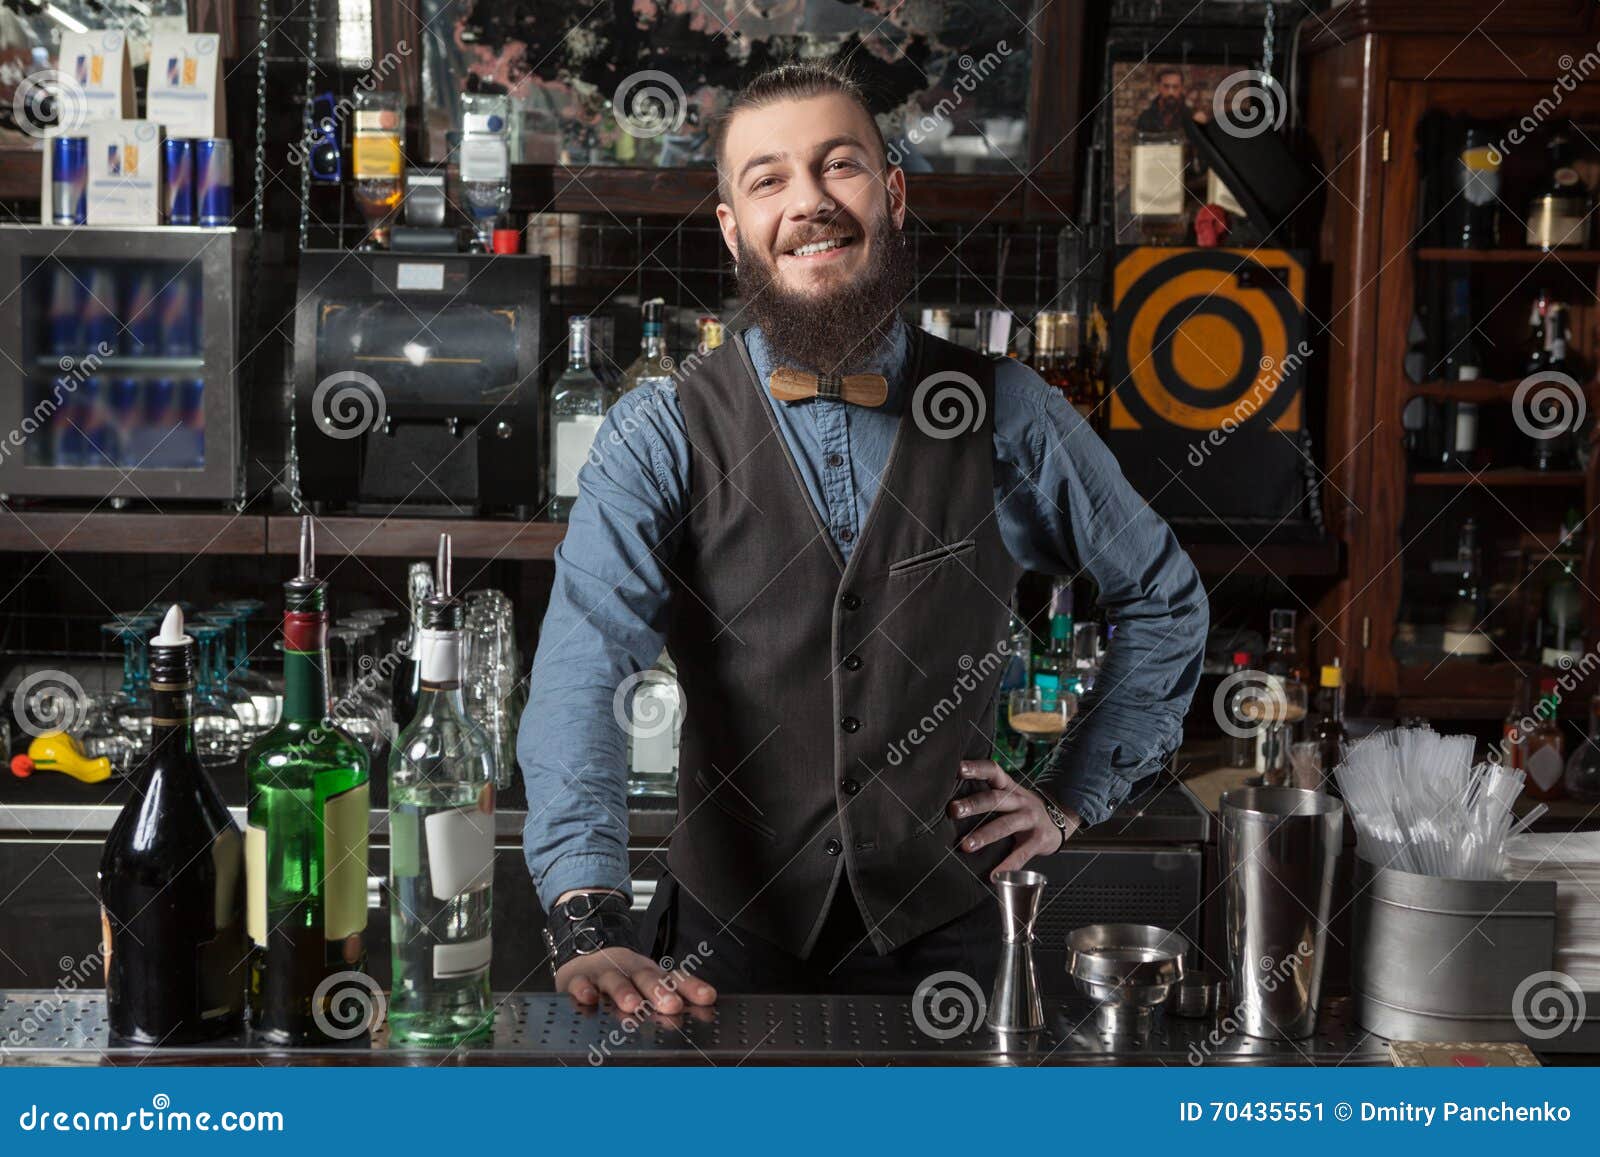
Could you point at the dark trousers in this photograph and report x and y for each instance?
(843, 961)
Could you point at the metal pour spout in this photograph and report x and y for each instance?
(308, 550)
(445, 585)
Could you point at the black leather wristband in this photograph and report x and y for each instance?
(587, 923)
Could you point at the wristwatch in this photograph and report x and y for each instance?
(1058, 817)
(587, 923)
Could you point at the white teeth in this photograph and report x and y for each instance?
(818, 247)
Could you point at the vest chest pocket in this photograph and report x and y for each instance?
(918, 563)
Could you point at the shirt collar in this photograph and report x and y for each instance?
(889, 360)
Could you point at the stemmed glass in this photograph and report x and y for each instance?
(132, 708)
(237, 696)
(265, 691)
(352, 710)
(1039, 720)
(367, 681)
(218, 732)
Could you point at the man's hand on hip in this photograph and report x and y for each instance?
(631, 980)
(1020, 812)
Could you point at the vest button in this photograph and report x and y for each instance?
(833, 847)
(850, 724)
(852, 662)
(851, 602)
(850, 787)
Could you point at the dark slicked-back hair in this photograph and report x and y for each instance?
(798, 80)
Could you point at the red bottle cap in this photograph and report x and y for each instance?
(506, 241)
(21, 766)
(1242, 658)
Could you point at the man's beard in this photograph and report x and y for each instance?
(839, 329)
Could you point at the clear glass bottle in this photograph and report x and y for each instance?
(1052, 667)
(1328, 732)
(1544, 747)
(1582, 778)
(655, 731)
(441, 858)
(407, 676)
(485, 161)
(1464, 637)
(377, 160)
(1238, 750)
(578, 405)
(652, 365)
(1558, 212)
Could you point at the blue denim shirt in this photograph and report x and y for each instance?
(1063, 507)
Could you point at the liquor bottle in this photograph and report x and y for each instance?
(1009, 748)
(172, 879)
(937, 322)
(1464, 637)
(657, 730)
(1558, 211)
(1083, 390)
(1537, 343)
(1046, 358)
(1284, 669)
(1517, 720)
(578, 404)
(484, 161)
(994, 332)
(306, 843)
(408, 675)
(1561, 631)
(1581, 780)
(1238, 750)
(1555, 447)
(1052, 667)
(1329, 733)
(652, 366)
(1544, 748)
(710, 333)
(441, 858)
(1462, 356)
(1477, 185)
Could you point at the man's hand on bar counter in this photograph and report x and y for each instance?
(630, 979)
(1024, 814)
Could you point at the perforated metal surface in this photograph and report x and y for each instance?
(40, 1027)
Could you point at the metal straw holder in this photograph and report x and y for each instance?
(1015, 1005)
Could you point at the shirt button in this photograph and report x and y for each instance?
(847, 535)
(851, 602)
(850, 724)
(833, 847)
(834, 460)
(852, 662)
(850, 787)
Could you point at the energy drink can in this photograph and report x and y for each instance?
(69, 180)
(177, 175)
(213, 181)
(142, 307)
(102, 332)
(64, 314)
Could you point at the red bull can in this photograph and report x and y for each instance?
(213, 181)
(177, 176)
(69, 180)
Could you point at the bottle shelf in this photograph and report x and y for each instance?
(1482, 390)
(1508, 256)
(490, 538)
(126, 365)
(1507, 478)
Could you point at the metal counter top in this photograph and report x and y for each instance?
(42, 1028)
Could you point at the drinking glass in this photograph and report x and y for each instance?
(1278, 705)
(132, 709)
(1039, 723)
(491, 680)
(368, 683)
(218, 731)
(227, 687)
(265, 690)
(349, 709)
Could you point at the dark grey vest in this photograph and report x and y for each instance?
(829, 706)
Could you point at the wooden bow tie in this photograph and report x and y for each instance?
(789, 385)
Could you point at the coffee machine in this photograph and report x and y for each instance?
(416, 382)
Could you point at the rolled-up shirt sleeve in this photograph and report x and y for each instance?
(606, 621)
(1065, 508)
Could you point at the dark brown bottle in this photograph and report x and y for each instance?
(172, 880)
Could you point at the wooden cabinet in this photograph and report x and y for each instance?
(1374, 72)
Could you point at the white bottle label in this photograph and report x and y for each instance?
(484, 157)
(1544, 767)
(461, 959)
(574, 436)
(460, 851)
(439, 656)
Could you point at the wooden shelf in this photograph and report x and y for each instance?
(1482, 390)
(931, 197)
(1509, 256)
(1501, 479)
(131, 532)
(419, 537)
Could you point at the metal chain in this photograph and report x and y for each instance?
(259, 217)
(1268, 21)
(306, 124)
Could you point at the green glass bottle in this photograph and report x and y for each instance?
(306, 842)
(1052, 667)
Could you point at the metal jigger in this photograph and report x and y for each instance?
(1015, 1005)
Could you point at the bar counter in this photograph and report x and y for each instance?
(42, 1028)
